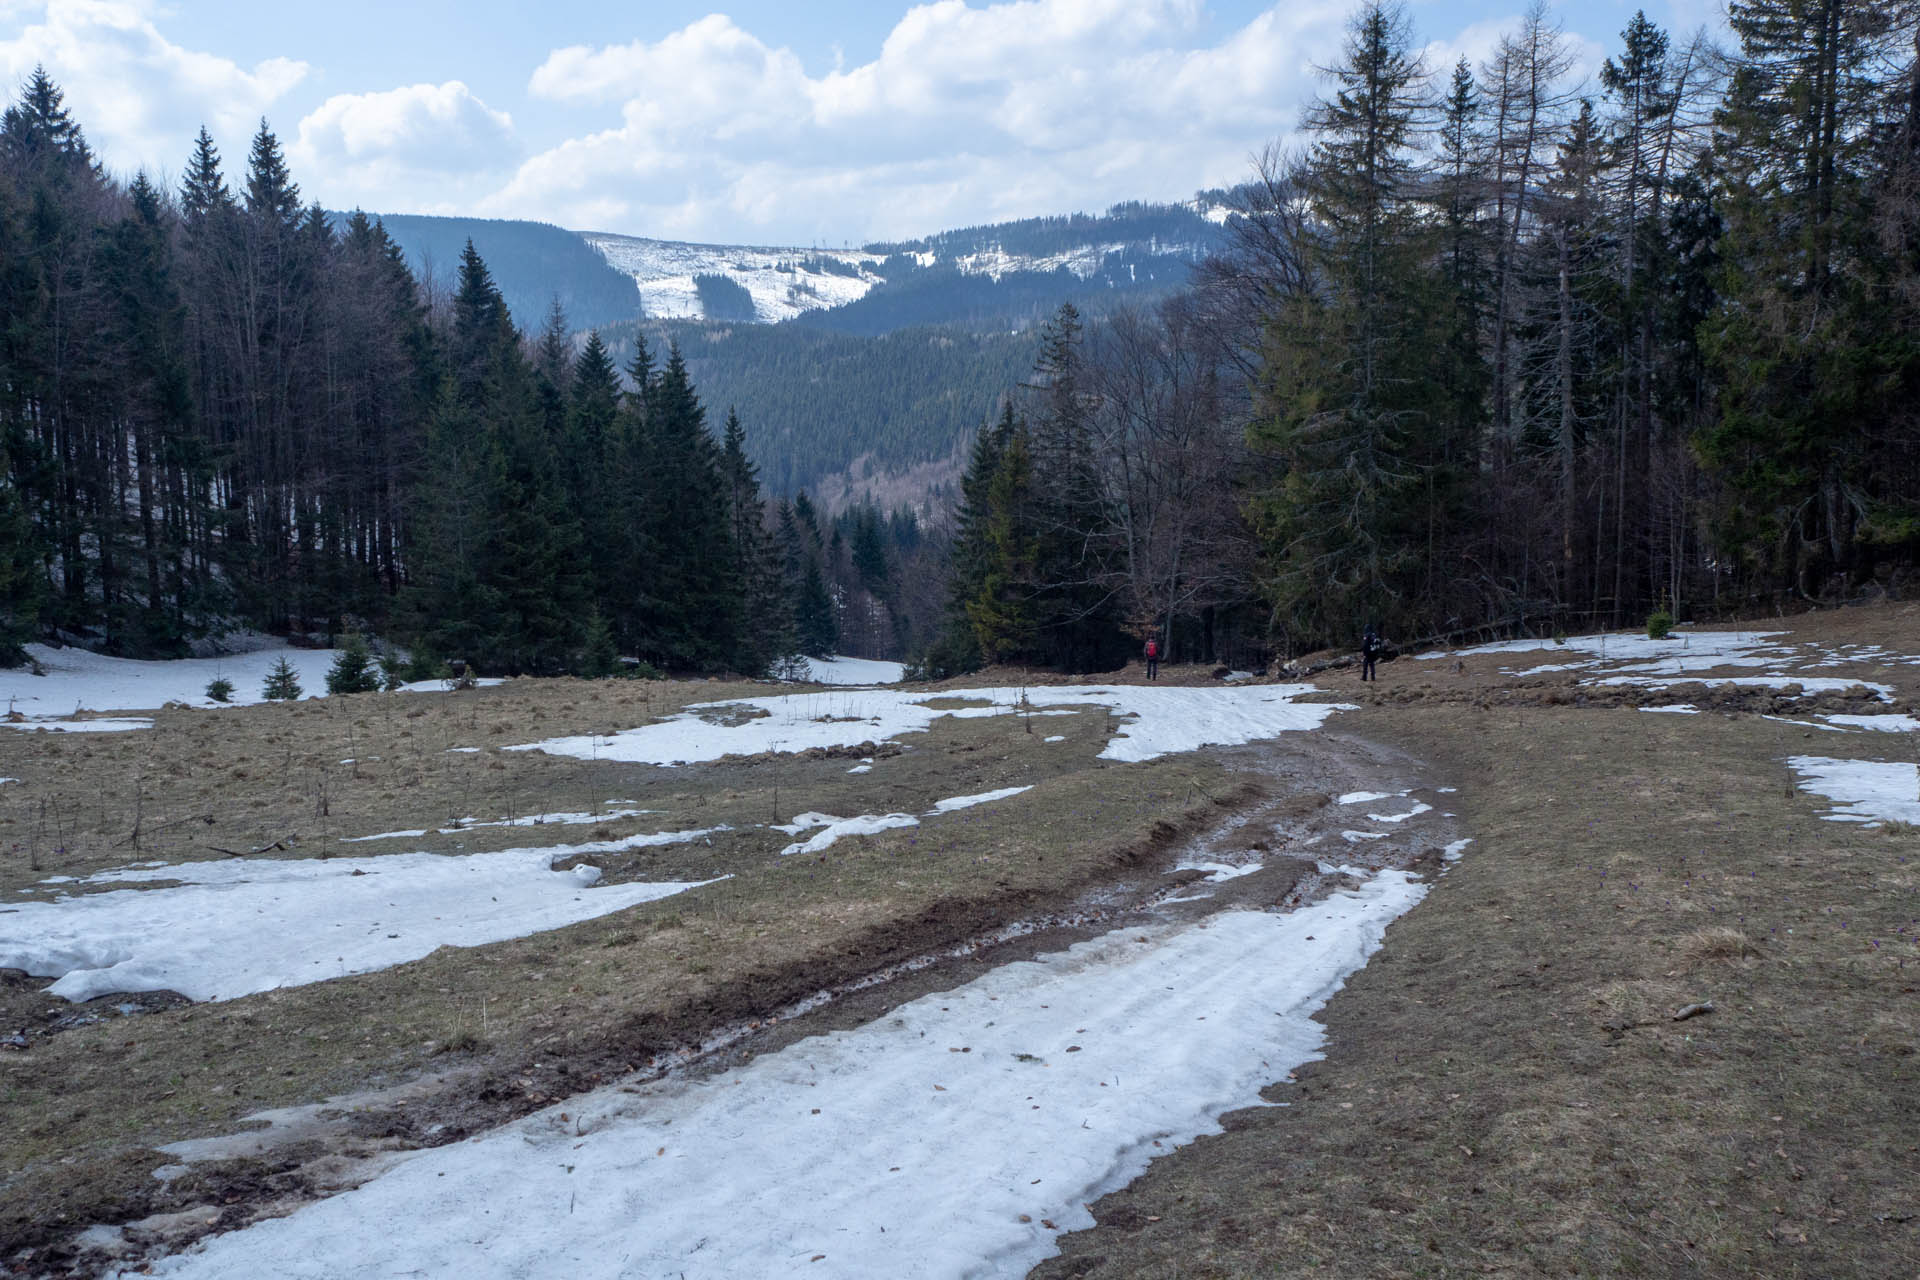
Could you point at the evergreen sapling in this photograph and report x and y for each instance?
(283, 685)
(354, 671)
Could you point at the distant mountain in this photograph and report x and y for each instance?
(1007, 275)
(857, 372)
(532, 263)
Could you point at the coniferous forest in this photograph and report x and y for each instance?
(218, 410)
(1493, 348)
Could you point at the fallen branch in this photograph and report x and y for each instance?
(265, 848)
(198, 817)
(1693, 1011)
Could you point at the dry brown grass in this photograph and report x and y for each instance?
(521, 1022)
(1523, 1102)
(1717, 943)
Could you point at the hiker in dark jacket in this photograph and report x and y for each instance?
(1153, 658)
(1369, 652)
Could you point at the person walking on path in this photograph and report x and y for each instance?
(1369, 652)
(1153, 658)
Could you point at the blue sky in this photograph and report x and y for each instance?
(824, 122)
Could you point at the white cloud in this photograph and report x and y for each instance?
(966, 114)
(140, 97)
(386, 150)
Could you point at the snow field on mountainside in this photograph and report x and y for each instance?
(953, 1136)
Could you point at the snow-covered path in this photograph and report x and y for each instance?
(952, 1137)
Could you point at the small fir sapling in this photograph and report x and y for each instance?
(220, 689)
(1659, 624)
(354, 671)
(598, 656)
(283, 685)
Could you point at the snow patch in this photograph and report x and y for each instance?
(229, 929)
(853, 671)
(1865, 791)
(76, 679)
(1017, 1098)
(104, 724)
(1164, 720)
(967, 802)
(1419, 808)
(1878, 724)
(831, 829)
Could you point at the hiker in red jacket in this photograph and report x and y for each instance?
(1153, 658)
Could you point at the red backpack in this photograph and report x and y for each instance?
(1153, 648)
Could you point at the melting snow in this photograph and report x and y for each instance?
(1812, 684)
(1418, 809)
(76, 679)
(232, 928)
(1868, 791)
(1025, 1094)
(1218, 872)
(529, 820)
(1880, 724)
(1165, 720)
(856, 671)
(985, 797)
(867, 824)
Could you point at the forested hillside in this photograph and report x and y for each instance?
(1497, 349)
(822, 399)
(533, 265)
(218, 411)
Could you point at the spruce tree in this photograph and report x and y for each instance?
(1002, 610)
(691, 612)
(589, 458)
(814, 614)
(1809, 382)
(599, 657)
(354, 669)
(1353, 367)
(767, 626)
(283, 683)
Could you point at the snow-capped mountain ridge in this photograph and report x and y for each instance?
(768, 284)
(782, 281)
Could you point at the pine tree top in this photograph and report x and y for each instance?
(203, 190)
(272, 194)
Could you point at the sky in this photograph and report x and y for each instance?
(754, 122)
